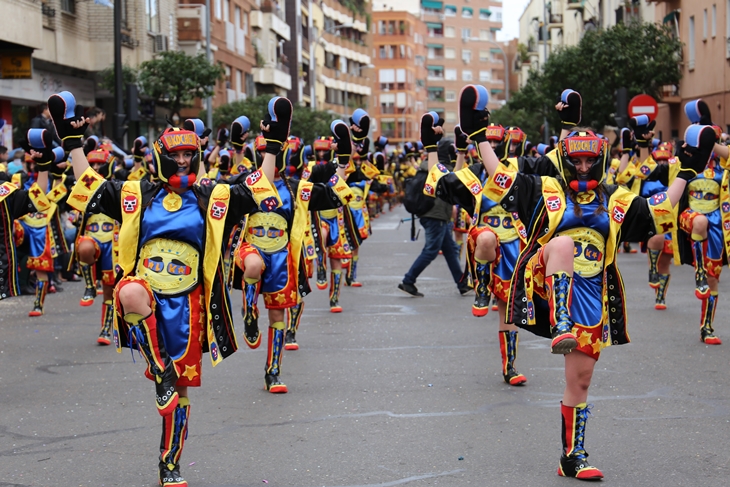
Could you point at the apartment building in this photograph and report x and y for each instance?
(399, 85)
(343, 65)
(461, 48)
(57, 45)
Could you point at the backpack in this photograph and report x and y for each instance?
(415, 201)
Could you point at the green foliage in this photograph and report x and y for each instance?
(306, 124)
(175, 79)
(129, 75)
(639, 56)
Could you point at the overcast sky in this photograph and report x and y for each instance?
(511, 12)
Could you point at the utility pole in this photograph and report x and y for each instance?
(546, 131)
(209, 100)
(118, 119)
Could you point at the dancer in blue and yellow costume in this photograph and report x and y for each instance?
(16, 202)
(323, 155)
(495, 238)
(40, 232)
(577, 223)
(703, 237)
(95, 249)
(269, 258)
(649, 175)
(171, 294)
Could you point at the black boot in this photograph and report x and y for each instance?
(294, 316)
(107, 320)
(573, 462)
(508, 342)
(321, 273)
(90, 290)
(661, 291)
(707, 332)
(560, 290)
(702, 289)
(482, 275)
(336, 278)
(250, 312)
(653, 271)
(174, 434)
(144, 335)
(41, 288)
(273, 360)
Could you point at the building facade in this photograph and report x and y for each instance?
(61, 45)
(461, 48)
(399, 84)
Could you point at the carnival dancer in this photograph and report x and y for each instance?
(171, 293)
(566, 285)
(322, 147)
(95, 250)
(495, 239)
(16, 202)
(40, 231)
(269, 259)
(704, 216)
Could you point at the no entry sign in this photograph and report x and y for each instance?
(643, 105)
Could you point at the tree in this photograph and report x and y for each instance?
(639, 56)
(306, 124)
(174, 79)
(129, 76)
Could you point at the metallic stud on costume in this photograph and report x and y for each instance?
(481, 300)
(144, 335)
(293, 317)
(335, 278)
(653, 271)
(250, 312)
(707, 333)
(661, 291)
(573, 462)
(508, 343)
(41, 288)
(560, 290)
(272, 382)
(107, 320)
(90, 291)
(174, 434)
(702, 289)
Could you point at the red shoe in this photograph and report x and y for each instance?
(356, 284)
(336, 309)
(660, 306)
(103, 341)
(274, 385)
(36, 312)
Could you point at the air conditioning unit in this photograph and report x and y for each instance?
(160, 42)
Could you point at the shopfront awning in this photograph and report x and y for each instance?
(435, 68)
(434, 25)
(432, 4)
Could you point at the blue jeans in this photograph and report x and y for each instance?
(438, 237)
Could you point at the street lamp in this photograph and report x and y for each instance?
(506, 70)
(313, 62)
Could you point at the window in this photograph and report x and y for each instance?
(450, 75)
(450, 53)
(382, 52)
(68, 6)
(483, 34)
(484, 55)
(152, 13)
(237, 16)
(466, 75)
(466, 55)
(218, 8)
(467, 12)
(245, 23)
(714, 20)
(484, 13)
(435, 94)
(450, 96)
(465, 33)
(691, 44)
(435, 72)
(450, 117)
(485, 76)
(226, 10)
(497, 12)
(449, 32)
(239, 77)
(450, 10)
(704, 25)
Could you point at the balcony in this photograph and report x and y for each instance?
(576, 4)
(273, 74)
(556, 21)
(270, 21)
(670, 94)
(27, 14)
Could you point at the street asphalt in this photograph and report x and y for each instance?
(393, 391)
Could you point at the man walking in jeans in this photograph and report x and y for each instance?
(437, 224)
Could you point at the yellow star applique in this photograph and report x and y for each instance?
(280, 298)
(584, 339)
(597, 346)
(190, 372)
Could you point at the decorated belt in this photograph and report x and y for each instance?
(328, 213)
(170, 267)
(500, 222)
(100, 228)
(358, 201)
(590, 250)
(704, 195)
(267, 231)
